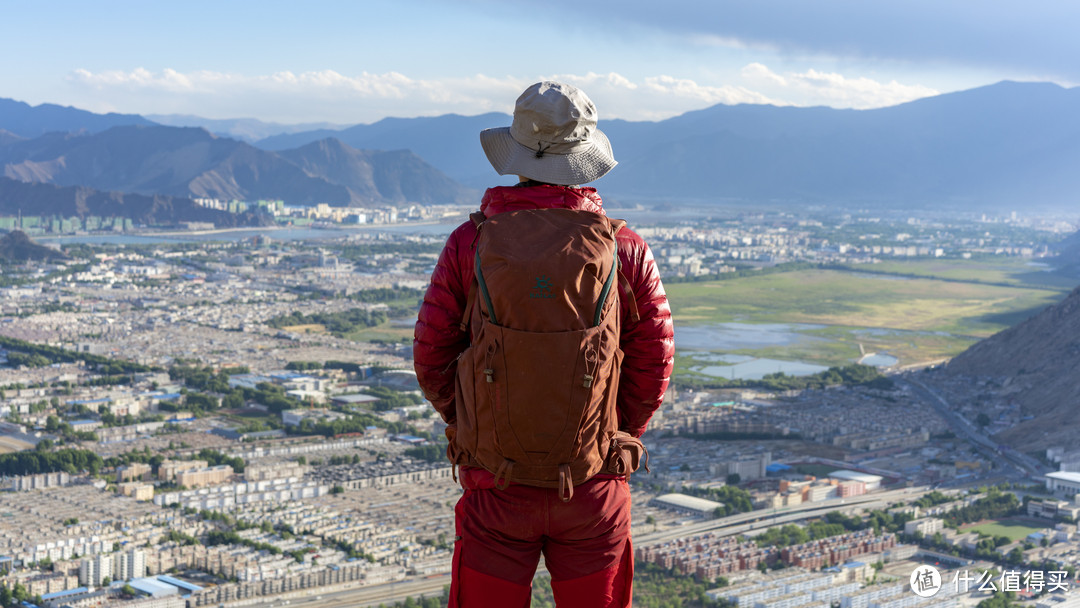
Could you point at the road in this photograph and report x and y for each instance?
(362, 597)
(755, 520)
(1024, 466)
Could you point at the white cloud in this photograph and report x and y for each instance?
(681, 87)
(831, 89)
(291, 97)
(327, 95)
(592, 79)
(758, 72)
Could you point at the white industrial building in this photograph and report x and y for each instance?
(1067, 483)
(873, 482)
(687, 504)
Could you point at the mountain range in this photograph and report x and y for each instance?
(190, 162)
(1002, 146)
(244, 129)
(24, 120)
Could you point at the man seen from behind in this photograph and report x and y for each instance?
(544, 364)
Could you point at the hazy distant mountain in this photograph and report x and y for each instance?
(451, 143)
(1007, 144)
(7, 138)
(1037, 364)
(244, 129)
(80, 201)
(32, 121)
(189, 162)
(398, 176)
(15, 246)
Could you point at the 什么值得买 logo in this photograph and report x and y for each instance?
(925, 581)
(542, 288)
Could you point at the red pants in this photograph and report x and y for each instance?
(501, 534)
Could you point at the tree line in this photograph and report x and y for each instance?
(337, 323)
(848, 375)
(40, 355)
(68, 460)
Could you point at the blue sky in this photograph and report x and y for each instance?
(349, 62)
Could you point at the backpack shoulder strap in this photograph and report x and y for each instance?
(477, 218)
(624, 283)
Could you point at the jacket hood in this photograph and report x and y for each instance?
(512, 198)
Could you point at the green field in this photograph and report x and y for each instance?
(1005, 271)
(927, 311)
(1014, 530)
(385, 333)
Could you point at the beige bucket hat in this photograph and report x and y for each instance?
(552, 139)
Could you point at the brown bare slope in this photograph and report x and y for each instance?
(15, 246)
(1040, 358)
(374, 176)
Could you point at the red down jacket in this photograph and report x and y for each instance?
(648, 345)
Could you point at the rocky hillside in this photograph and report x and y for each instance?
(1068, 256)
(15, 246)
(1038, 364)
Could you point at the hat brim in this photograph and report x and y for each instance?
(508, 157)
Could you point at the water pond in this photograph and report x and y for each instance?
(708, 343)
(880, 360)
(740, 336)
(756, 369)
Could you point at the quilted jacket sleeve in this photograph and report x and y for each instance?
(437, 338)
(648, 344)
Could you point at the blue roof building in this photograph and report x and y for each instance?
(56, 594)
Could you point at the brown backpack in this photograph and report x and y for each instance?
(535, 390)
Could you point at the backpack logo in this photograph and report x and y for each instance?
(542, 288)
